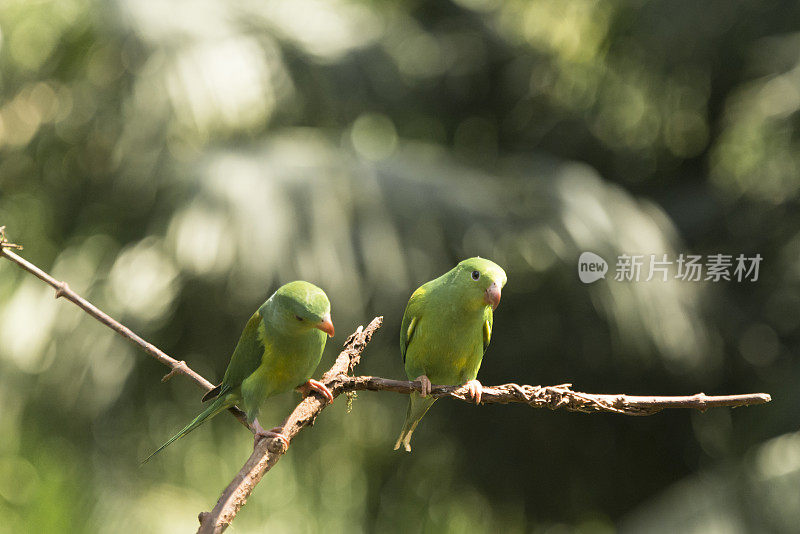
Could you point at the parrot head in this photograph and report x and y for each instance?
(481, 279)
(303, 305)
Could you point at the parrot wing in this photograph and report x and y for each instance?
(411, 319)
(246, 357)
(487, 331)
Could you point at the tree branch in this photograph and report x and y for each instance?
(63, 290)
(269, 450)
(555, 397)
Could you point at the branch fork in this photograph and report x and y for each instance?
(268, 451)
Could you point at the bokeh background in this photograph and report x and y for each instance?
(176, 162)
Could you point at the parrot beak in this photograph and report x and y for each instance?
(492, 295)
(326, 325)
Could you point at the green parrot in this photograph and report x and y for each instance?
(445, 331)
(279, 349)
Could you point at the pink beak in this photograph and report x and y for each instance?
(326, 325)
(492, 295)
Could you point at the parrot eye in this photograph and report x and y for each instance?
(476, 275)
(298, 318)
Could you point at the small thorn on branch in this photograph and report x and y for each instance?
(179, 367)
(700, 399)
(62, 289)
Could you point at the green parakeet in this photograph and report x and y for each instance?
(279, 349)
(445, 331)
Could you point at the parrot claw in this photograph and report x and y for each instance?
(425, 385)
(276, 433)
(270, 434)
(474, 390)
(319, 387)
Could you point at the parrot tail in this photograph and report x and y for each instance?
(417, 406)
(221, 403)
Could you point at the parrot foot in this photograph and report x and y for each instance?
(474, 390)
(426, 385)
(270, 434)
(319, 387)
(276, 432)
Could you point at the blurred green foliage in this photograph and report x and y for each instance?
(175, 162)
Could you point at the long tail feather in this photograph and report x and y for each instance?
(417, 406)
(221, 403)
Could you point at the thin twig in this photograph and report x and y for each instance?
(269, 450)
(63, 290)
(555, 397)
